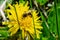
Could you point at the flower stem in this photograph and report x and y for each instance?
(56, 12)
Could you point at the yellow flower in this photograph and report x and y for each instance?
(20, 17)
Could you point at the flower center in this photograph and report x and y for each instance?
(26, 21)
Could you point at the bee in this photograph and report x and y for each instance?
(27, 14)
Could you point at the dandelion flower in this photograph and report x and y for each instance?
(20, 17)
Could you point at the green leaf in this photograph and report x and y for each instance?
(42, 2)
(44, 38)
(3, 28)
(20, 1)
(3, 34)
(52, 21)
(51, 38)
(57, 12)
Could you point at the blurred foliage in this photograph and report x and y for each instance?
(1, 1)
(41, 2)
(4, 33)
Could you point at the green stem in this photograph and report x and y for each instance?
(56, 12)
(18, 23)
(30, 3)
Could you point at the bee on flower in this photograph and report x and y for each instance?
(24, 19)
